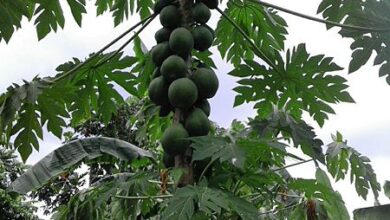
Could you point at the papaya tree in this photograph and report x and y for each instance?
(180, 164)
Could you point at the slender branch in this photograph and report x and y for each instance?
(289, 195)
(236, 187)
(126, 43)
(144, 197)
(159, 182)
(282, 209)
(331, 23)
(74, 69)
(292, 165)
(242, 32)
(206, 168)
(295, 157)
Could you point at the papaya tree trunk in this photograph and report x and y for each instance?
(184, 161)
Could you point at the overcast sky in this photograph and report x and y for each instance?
(365, 124)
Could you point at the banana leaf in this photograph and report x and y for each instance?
(73, 153)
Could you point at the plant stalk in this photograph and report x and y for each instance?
(74, 69)
(331, 23)
(292, 165)
(126, 43)
(143, 197)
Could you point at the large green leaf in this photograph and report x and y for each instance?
(121, 9)
(301, 83)
(302, 134)
(25, 108)
(49, 17)
(321, 189)
(371, 14)
(77, 8)
(209, 201)
(340, 157)
(262, 25)
(218, 148)
(73, 153)
(95, 86)
(11, 14)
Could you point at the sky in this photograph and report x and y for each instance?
(365, 124)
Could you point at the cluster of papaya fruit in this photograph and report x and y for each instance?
(181, 82)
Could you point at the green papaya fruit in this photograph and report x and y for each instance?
(173, 67)
(182, 93)
(197, 123)
(181, 42)
(206, 82)
(158, 91)
(173, 140)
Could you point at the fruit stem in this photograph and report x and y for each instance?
(331, 23)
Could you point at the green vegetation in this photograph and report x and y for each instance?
(157, 155)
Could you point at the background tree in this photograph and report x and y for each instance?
(13, 206)
(249, 158)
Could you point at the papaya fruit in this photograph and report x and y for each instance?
(206, 81)
(173, 67)
(173, 141)
(210, 29)
(165, 110)
(159, 5)
(203, 38)
(168, 160)
(160, 52)
(156, 73)
(201, 13)
(170, 17)
(162, 35)
(212, 4)
(182, 93)
(197, 123)
(181, 41)
(204, 105)
(158, 91)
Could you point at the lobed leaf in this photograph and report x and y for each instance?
(301, 83)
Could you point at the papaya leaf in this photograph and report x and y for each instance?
(341, 158)
(73, 153)
(77, 8)
(95, 86)
(208, 200)
(321, 189)
(298, 131)
(217, 148)
(121, 9)
(49, 17)
(11, 14)
(301, 83)
(366, 43)
(262, 25)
